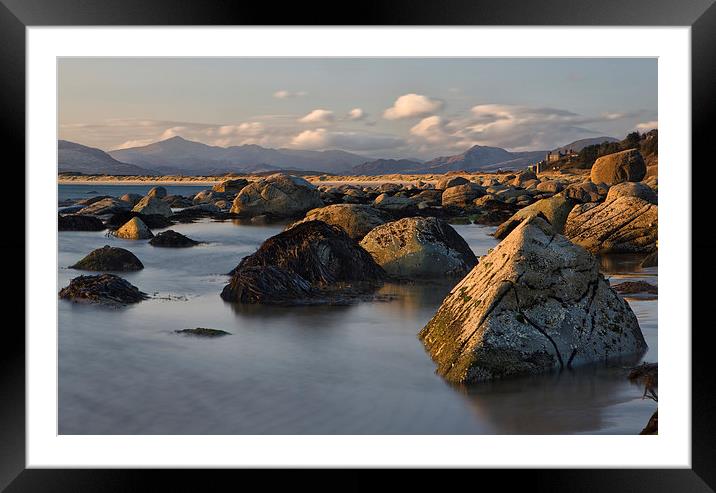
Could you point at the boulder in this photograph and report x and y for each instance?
(131, 198)
(109, 258)
(279, 195)
(550, 186)
(152, 205)
(632, 189)
(619, 167)
(584, 192)
(554, 210)
(72, 222)
(157, 192)
(105, 288)
(134, 229)
(622, 225)
(312, 262)
(356, 220)
(393, 203)
(523, 178)
(207, 196)
(462, 195)
(451, 181)
(152, 221)
(202, 332)
(535, 303)
(172, 239)
(178, 201)
(93, 200)
(419, 248)
(106, 206)
(234, 186)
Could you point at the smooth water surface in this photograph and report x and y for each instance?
(356, 369)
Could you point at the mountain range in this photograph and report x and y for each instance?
(180, 156)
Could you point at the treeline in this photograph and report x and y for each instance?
(647, 143)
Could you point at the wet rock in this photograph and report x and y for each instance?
(419, 248)
(652, 427)
(634, 287)
(554, 210)
(356, 220)
(619, 167)
(134, 229)
(72, 222)
(622, 225)
(105, 288)
(203, 332)
(279, 195)
(172, 239)
(535, 303)
(313, 262)
(109, 259)
(151, 206)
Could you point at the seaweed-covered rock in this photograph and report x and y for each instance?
(419, 248)
(134, 229)
(356, 220)
(279, 195)
(537, 302)
(554, 210)
(311, 262)
(172, 239)
(203, 332)
(73, 222)
(152, 205)
(618, 167)
(105, 288)
(622, 225)
(109, 258)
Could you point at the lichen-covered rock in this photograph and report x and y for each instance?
(105, 288)
(554, 209)
(109, 259)
(72, 222)
(622, 225)
(279, 195)
(312, 262)
(537, 302)
(419, 248)
(172, 239)
(151, 206)
(632, 189)
(234, 186)
(619, 167)
(356, 220)
(134, 229)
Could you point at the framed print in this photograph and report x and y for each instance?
(427, 239)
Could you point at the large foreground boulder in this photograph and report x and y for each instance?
(537, 302)
(623, 225)
(356, 220)
(313, 262)
(109, 258)
(151, 206)
(105, 288)
(134, 229)
(619, 167)
(278, 195)
(419, 248)
(555, 210)
(74, 222)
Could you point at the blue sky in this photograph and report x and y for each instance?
(379, 107)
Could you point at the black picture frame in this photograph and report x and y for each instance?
(16, 15)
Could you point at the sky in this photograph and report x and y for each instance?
(377, 107)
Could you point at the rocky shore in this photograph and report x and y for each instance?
(535, 303)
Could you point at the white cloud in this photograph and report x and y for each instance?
(412, 105)
(646, 126)
(356, 114)
(284, 94)
(431, 129)
(321, 138)
(318, 116)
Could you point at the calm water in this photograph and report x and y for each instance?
(316, 370)
(87, 191)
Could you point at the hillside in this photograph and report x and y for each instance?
(73, 157)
